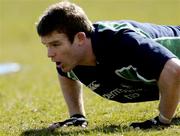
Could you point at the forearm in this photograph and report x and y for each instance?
(73, 95)
(169, 85)
(168, 104)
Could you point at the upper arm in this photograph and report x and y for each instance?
(170, 76)
(67, 83)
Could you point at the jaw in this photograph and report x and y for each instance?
(64, 67)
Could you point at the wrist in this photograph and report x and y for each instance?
(78, 116)
(164, 119)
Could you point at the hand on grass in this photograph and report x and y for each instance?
(75, 120)
(149, 124)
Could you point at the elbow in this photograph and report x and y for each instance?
(175, 71)
(177, 76)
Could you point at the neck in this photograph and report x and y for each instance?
(90, 58)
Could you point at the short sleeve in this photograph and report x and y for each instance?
(146, 55)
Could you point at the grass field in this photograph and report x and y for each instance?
(30, 100)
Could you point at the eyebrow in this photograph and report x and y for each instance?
(53, 42)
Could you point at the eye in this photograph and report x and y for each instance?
(55, 45)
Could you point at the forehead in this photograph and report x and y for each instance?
(52, 37)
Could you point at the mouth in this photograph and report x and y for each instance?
(58, 64)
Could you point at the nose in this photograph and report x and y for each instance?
(50, 52)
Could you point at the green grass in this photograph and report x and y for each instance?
(30, 100)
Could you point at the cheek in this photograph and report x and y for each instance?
(72, 56)
(65, 54)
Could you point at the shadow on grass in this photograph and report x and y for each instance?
(107, 129)
(176, 121)
(67, 132)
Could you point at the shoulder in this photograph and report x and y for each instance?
(113, 25)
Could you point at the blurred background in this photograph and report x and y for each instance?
(18, 38)
(34, 91)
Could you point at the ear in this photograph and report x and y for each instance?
(80, 38)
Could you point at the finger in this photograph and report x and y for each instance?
(53, 126)
(84, 124)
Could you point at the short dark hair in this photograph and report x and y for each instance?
(64, 17)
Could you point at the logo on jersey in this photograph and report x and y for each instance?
(128, 93)
(130, 73)
(93, 85)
